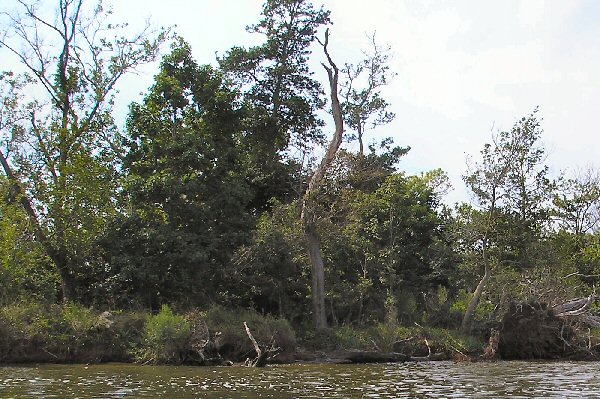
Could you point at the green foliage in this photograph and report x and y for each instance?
(32, 332)
(166, 338)
(175, 338)
(269, 272)
(391, 337)
(198, 205)
(385, 245)
(513, 190)
(484, 311)
(384, 335)
(449, 341)
(25, 270)
(234, 342)
(363, 105)
(185, 187)
(282, 96)
(61, 151)
(347, 337)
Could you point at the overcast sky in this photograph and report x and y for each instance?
(464, 68)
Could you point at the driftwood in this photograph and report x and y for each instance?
(263, 355)
(575, 307)
(579, 311)
(358, 356)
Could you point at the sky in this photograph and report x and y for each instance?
(464, 68)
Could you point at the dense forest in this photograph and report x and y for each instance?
(233, 187)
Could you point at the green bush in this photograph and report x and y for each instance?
(451, 341)
(385, 335)
(32, 332)
(379, 337)
(325, 339)
(485, 308)
(348, 337)
(166, 338)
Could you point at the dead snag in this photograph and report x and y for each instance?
(309, 214)
(263, 355)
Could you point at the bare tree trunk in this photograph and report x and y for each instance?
(467, 321)
(308, 216)
(313, 242)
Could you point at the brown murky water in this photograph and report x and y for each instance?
(408, 380)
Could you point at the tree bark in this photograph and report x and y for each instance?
(467, 321)
(308, 215)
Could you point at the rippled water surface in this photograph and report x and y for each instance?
(408, 380)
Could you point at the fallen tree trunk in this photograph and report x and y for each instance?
(365, 357)
(359, 356)
(574, 307)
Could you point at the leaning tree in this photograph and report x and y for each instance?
(61, 150)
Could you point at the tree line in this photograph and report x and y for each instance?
(214, 192)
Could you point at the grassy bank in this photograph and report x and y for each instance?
(74, 334)
(31, 332)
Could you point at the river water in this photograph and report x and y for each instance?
(406, 380)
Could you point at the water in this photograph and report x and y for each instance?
(408, 380)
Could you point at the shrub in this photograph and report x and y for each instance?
(166, 338)
(32, 332)
(452, 341)
(385, 335)
(348, 337)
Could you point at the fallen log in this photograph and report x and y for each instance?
(574, 307)
(360, 356)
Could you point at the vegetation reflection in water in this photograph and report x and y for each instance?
(415, 380)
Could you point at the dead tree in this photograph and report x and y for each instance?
(263, 355)
(309, 204)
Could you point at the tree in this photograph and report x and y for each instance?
(279, 84)
(576, 213)
(309, 206)
(281, 96)
(511, 188)
(361, 92)
(383, 243)
(62, 162)
(185, 187)
(577, 203)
